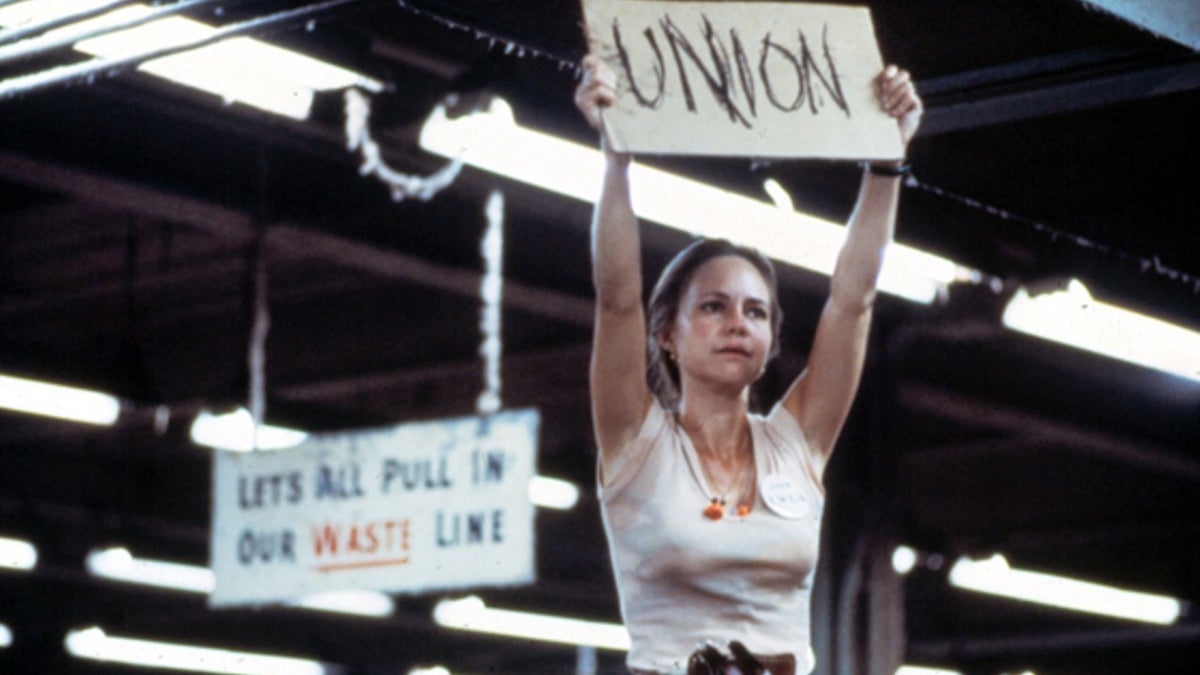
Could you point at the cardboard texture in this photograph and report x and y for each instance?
(758, 79)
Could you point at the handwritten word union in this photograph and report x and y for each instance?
(788, 74)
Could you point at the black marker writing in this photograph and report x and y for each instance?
(725, 68)
(658, 67)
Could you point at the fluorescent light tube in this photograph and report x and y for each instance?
(34, 12)
(6, 636)
(995, 577)
(1073, 317)
(235, 431)
(925, 670)
(471, 614)
(118, 564)
(240, 69)
(552, 493)
(17, 554)
(353, 602)
(491, 140)
(96, 645)
(228, 69)
(58, 401)
(904, 559)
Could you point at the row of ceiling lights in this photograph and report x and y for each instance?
(1070, 316)
(992, 576)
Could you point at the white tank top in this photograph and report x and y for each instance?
(683, 578)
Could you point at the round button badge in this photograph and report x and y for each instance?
(784, 496)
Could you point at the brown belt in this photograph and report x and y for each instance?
(782, 664)
(775, 664)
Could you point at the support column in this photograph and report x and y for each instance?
(858, 601)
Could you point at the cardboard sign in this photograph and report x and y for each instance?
(417, 507)
(760, 79)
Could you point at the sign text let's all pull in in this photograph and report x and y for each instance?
(424, 506)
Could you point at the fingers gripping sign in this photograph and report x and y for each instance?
(897, 96)
(596, 91)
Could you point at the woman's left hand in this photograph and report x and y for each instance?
(898, 97)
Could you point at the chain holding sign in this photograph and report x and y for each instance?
(417, 507)
(760, 79)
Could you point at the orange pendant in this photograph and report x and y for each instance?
(743, 510)
(715, 510)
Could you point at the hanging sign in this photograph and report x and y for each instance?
(764, 79)
(416, 507)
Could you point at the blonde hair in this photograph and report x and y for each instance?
(664, 305)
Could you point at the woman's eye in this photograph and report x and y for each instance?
(756, 313)
(711, 306)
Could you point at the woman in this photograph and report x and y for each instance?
(712, 512)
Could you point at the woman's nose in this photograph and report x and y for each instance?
(737, 322)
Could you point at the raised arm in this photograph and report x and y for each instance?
(821, 396)
(619, 393)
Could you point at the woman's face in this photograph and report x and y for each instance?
(721, 333)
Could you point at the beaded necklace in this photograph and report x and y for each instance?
(715, 510)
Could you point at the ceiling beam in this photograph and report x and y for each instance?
(1045, 642)
(1177, 20)
(288, 239)
(937, 403)
(545, 366)
(1050, 86)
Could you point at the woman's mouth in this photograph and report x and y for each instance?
(734, 350)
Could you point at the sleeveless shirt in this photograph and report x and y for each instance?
(682, 578)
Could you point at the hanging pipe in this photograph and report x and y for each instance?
(26, 84)
(28, 49)
(22, 32)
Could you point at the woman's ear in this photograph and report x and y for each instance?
(665, 343)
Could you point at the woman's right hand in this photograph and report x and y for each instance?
(596, 91)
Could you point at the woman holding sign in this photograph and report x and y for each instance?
(713, 512)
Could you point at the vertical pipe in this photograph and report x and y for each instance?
(260, 320)
(491, 284)
(585, 660)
